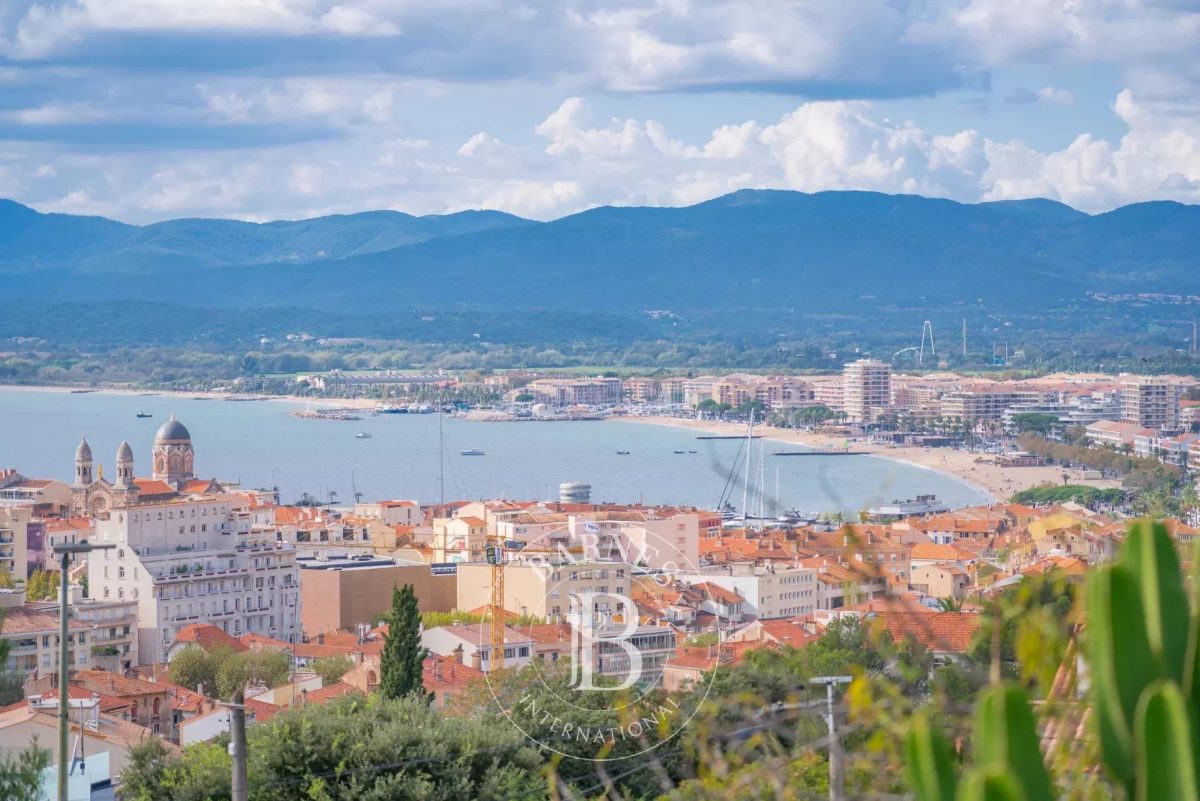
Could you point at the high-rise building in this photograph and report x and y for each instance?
(866, 390)
(1150, 401)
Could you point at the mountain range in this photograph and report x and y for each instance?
(836, 252)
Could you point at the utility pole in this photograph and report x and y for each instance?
(237, 745)
(64, 552)
(837, 767)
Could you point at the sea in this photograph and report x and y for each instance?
(419, 456)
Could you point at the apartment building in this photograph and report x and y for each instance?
(32, 630)
(652, 537)
(14, 539)
(773, 392)
(113, 639)
(44, 495)
(769, 592)
(989, 402)
(828, 392)
(1151, 401)
(641, 390)
(575, 391)
(548, 588)
(866, 390)
(471, 644)
(194, 560)
(391, 513)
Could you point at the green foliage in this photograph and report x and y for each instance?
(1035, 423)
(431, 619)
(42, 586)
(237, 671)
(1081, 494)
(403, 655)
(351, 749)
(6, 579)
(331, 668)
(197, 669)
(1143, 648)
(929, 762)
(21, 776)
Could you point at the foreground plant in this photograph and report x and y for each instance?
(1143, 654)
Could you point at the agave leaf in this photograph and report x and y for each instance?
(1006, 740)
(1118, 657)
(991, 785)
(929, 762)
(1165, 746)
(1150, 556)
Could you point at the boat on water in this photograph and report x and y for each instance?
(691, 451)
(622, 453)
(472, 452)
(362, 435)
(680, 451)
(144, 414)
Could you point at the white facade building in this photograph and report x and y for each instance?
(194, 560)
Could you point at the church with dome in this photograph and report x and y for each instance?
(93, 495)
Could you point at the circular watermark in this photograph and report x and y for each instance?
(603, 678)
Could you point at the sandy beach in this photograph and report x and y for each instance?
(975, 469)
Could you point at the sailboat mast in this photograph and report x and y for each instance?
(746, 484)
(441, 457)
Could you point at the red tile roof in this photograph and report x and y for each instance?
(208, 636)
(152, 486)
(947, 632)
(115, 684)
(329, 693)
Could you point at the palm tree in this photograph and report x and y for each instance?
(950, 604)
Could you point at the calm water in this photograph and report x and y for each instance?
(261, 445)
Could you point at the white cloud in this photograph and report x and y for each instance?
(579, 163)
(55, 114)
(1056, 96)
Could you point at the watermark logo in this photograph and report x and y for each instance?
(588, 670)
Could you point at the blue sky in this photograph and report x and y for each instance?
(261, 109)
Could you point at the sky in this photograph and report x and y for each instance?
(144, 110)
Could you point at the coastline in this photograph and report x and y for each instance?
(997, 482)
(983, 475)
(340, 403)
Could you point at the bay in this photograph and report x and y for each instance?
(259, 444)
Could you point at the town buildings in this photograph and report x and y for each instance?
(183, 549)
(346, 593)
(1151, 401)
(866, 390)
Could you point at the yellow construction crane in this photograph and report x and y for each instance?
(495, 557)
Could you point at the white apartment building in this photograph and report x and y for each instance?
(770, 592)
(866, 390)
(195, 560)
(1151, 401)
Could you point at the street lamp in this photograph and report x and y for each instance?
(64, 553)
(837, 773)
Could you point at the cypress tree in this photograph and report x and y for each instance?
(403, 654)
